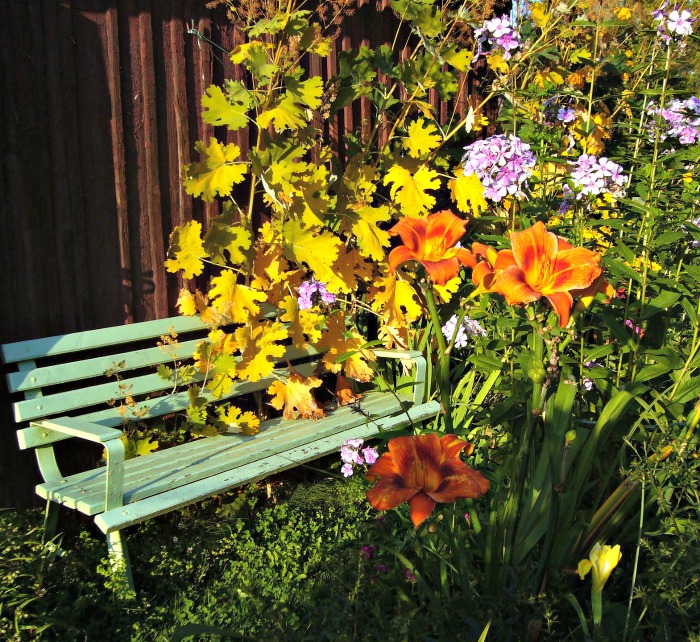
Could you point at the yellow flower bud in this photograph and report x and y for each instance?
(602, 560)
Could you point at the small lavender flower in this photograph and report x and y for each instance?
(368, 551)
(566, 115)
(353, 454)
(678, 24)
(594, 177)
(310, 292)
(370, 454)
(695, 242)
(468, 328)
(498, 34)
(679, 120)
(409, 576)
(502, 163)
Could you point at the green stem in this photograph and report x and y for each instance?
(443, 365)
(597, 609)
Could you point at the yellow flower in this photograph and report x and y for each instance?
(623, 13)
(602, 560)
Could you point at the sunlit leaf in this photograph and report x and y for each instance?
(217, 173)
(295, 397)
(186, 250)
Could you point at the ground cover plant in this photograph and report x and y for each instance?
(546, 261)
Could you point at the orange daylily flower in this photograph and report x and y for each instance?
(543, 265)
(423, 470)
(431, 241)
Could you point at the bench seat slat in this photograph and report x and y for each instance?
(91, 339)
(164, 470)
(119, 518)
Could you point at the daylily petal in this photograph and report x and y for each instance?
(400, 255)
(442, 271)
(388, 493)
(561, 302)
(447, 226)
(573, 269)
(504, 260)
(512, 285)
(384, 466)
(403, 451)
(465, 257)
(535, 249)
(485, 252)
(468, 484)
(451, 445)
(412, 232)
(421, 506)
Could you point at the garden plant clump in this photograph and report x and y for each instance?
(538, 243)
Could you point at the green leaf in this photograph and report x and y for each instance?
(228, 109)
(307, 91)
(284, 114)
(660, 303)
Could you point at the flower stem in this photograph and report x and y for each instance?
(443, 364)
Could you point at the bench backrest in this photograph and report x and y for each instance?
(69, 374)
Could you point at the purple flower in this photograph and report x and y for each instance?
(347, 470)
(409, 576)
(593, 177)
(368, 551)
(680, 24)
(310, 292)
(680, 119)
(566, 115)
(497, 34)
(468, 328)
(370, 454)
(502, 163)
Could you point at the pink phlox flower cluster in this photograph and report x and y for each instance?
(497, 33)
(467, 328)
(673, 24)
(502, 163)
(353, 454)
(311, 292)
(592, 177)
(680, 120)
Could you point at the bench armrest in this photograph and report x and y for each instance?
(79, 428)
(420, 373)
(110, 438)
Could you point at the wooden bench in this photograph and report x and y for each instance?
(66, 393)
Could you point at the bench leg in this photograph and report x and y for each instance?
(50, 521)
(119, 557)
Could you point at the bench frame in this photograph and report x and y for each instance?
(266, 452)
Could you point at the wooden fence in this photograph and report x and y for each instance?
(99, 109)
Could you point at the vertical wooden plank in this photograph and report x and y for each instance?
(69, 243)
(199, 68)
(101, 219)
(169, 34)
(141, 149)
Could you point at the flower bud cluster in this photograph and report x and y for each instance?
(310, 292)
(502, 163)
(679, 120)
(593, 177)
(353, 454)
(498, 34)
(467, 328)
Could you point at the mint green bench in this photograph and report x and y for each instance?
(66, 393)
